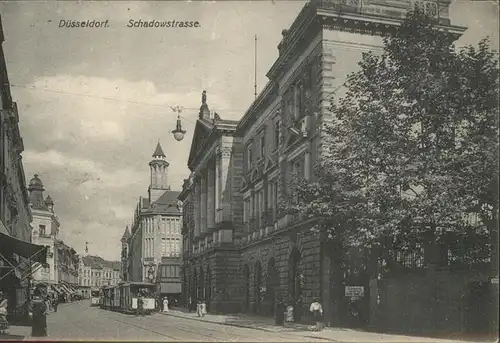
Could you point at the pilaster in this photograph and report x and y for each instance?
(211, 196)
(203, 201)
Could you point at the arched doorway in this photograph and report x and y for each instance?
(246, 279)
(201, 288)
(208, 288)
(257, 286)
(295, 282)
(272, 283)
(194, 288)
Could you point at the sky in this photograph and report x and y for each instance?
(93, 102)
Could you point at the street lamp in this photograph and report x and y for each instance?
(178, 132)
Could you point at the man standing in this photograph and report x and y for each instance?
(140, 305)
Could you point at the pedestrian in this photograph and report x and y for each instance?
(39, 309)
(317, 311)
(289, 317)
(140, 306)
(198, 308)
(165, 304)
(203, 308)
(280, 312)
(4, 324)
(55, 303)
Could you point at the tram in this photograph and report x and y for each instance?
(110, 298)
(129, 293)
(94, 297)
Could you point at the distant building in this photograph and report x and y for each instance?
(84, 278)
(60, 272)
(15, 217)
(67, 265)
(98, 272)
(45, 231)
(154, 246)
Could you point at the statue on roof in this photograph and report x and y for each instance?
(204, 97)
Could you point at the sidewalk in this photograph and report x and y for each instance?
(329, 334)
(16, 333)
(239, 320)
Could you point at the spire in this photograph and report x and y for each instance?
(126, 235)
(159, 151)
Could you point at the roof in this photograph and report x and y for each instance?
(166, 203)
(97, 262)
(159, 151)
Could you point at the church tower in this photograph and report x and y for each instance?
(159, 174)
(36, 189)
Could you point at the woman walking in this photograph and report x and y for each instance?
(317, 312)
(39, 310)
(4, 324)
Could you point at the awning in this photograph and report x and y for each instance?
(33, 252)
(66, 289)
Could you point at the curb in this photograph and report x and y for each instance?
(214, 322)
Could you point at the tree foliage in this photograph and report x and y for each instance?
(412, 148)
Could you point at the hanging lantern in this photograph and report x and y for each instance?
(179, 132)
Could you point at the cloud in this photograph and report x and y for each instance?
(93, 104)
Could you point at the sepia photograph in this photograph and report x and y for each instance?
(249, 171)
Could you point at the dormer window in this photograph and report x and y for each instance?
(41, 229)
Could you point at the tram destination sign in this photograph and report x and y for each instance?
(354, 291)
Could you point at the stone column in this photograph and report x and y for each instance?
(217, 180)
(211, 196)
(203, 202)
(307, 165)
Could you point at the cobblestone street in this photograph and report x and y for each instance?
(79, 321)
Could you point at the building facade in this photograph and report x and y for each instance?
(213, 214)
(153, 247)
(45, 231)
(16, 250)
(244, 250)
(66, 265)
(84, 279)
(98, 272)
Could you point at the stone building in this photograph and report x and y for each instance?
(60, 272)
(17, 253)
(154, 246)
(213, 211)
(124, 254)
(99, 272)
(84, 279)
(45, 231)
(66, 265)
(244, 249)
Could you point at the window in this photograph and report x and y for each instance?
(262, 144)
(41, 228)
(163, 246)
(249, 156)
(277, 134)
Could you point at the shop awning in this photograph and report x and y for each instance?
(33, 252)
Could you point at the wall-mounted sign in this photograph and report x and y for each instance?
(354, 291)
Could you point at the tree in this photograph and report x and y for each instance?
(411, 153)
